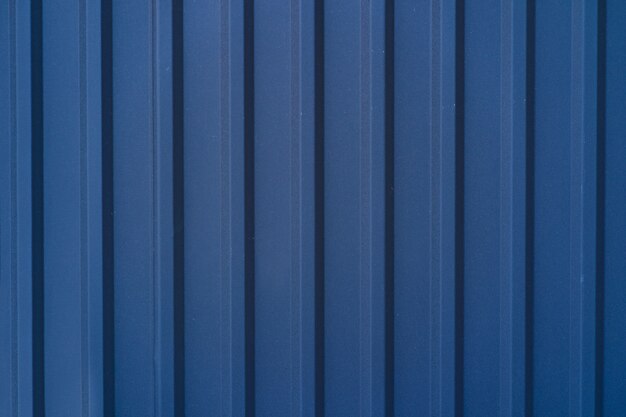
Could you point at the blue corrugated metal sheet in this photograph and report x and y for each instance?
(312, 208)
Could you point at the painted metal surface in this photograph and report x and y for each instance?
(312, 208)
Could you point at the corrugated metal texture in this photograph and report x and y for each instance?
(312, 208)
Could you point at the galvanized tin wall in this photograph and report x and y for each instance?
(312, 208)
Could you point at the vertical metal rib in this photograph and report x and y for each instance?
(514, 200)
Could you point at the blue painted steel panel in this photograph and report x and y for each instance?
(312, 208)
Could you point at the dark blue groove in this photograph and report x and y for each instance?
(319, 206)
(178, 164)
(530, 204)
(600, 208)
(108, 312)
(37, 207)
(389, 204)
(249, 284)
(459, 218)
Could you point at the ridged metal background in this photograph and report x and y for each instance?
(312, 208)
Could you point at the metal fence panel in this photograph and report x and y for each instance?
(312, 208)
